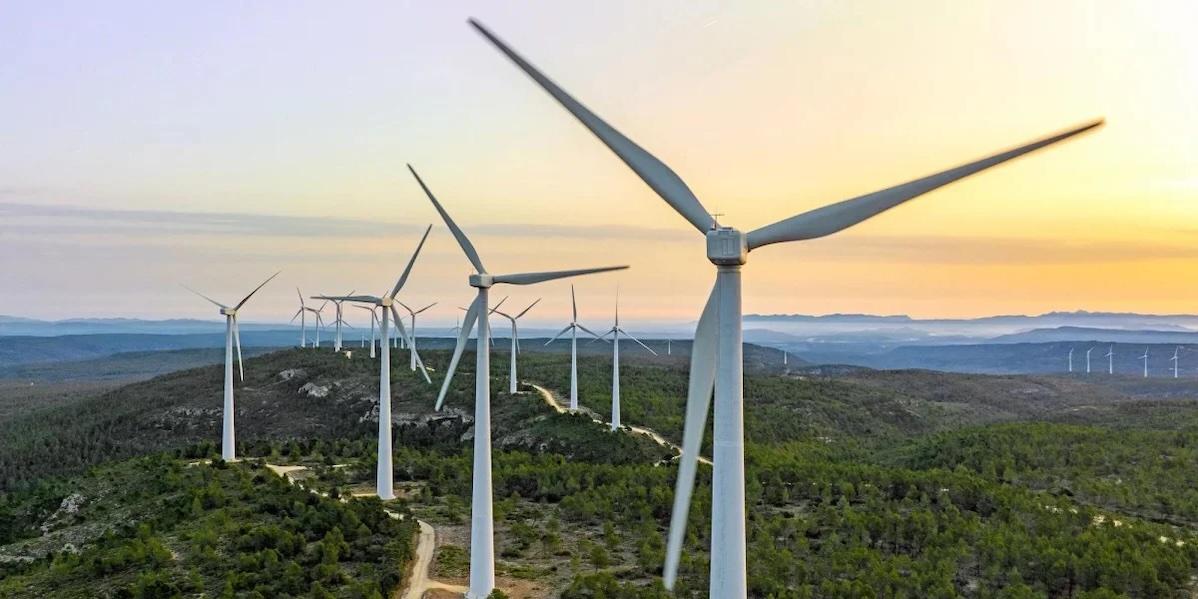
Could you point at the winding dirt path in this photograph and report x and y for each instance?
(552, 401)
(419, 581)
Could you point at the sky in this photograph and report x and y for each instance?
(144, 145)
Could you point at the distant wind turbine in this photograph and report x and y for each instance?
(302, 314)
(1110, 360)
(1145, 359)
(482, 533)
(319, 320)
(374, 317)
(615, 331)
(1174, 359)
(1071, 359)
(717, 351)
(573, 328)
(385, 474)
(515, 342)
(412, 332)
(1088, 359)
(338, 319)
(228, 446)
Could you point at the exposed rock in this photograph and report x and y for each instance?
(70, 506)
(314, 390)
(292, 373)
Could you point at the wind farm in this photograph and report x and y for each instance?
(896, 407)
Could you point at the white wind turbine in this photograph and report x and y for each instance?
(572, 328)
(1145, 359)
(1071, 359)
(228, 446)
(457, 326)
(385, 475)
(615, 331)
(1110, 360)
(482, 534)
(515, 341)
(1088, 359)
(412, 332)
(719, 330)
(1174, 359)
(316, 312)
(337, 319)
(302, 314)
(374, 317)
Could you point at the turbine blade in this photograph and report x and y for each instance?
(560, 333)
(405, 307)
(525, 311)
(842, 215)
(463, 241)
(297, 314)
(247, 298)
(592, 333)
(654, 172)
(573, 303)
(698, 402)
(301, 296)
(496, 307)
(467, 326)
(426, 307)
(638, 342)
(220, 305)
(237, 341)
(403, 332)
(603, 336)
(408, 269)
(528, 278)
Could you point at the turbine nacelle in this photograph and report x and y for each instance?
(228, 311)
(727, 246)
(482, 280)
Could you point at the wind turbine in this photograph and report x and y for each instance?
(1145, 359)
(302, 314)
(491, 311)
(669, 348)
(412, 341)
(1110, 360)
(457, 326)
(572, 328)
(385, 475)
(1174, 359)
(228, 445)
(319, 320)
(374, 317)
(515, 341)
(720, 331)
(1088, 359)
(337, 319)
(615, 331)
(1071, 359)
(482, 533)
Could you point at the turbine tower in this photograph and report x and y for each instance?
(374, 317)
(302, 314)
(515, 342)
(337, 319)
(1174, 359)
(615, 331)
(572, 328)
(720, 326)
(228, 445)
(412, 342)
(1145, 359)
(482, 534)
(1071, 359)
(385, 475)
(1110, 360)
(1088, 359)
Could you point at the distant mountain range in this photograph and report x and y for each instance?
(1079, 317)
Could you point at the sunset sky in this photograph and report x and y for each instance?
(148, 144)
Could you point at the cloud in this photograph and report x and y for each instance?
(67, 220)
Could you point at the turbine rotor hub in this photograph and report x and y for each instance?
(228, 312)
(727, 247)
(386, 302)
(482, 280)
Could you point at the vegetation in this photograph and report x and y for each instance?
(158, 527)
(860, 484)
